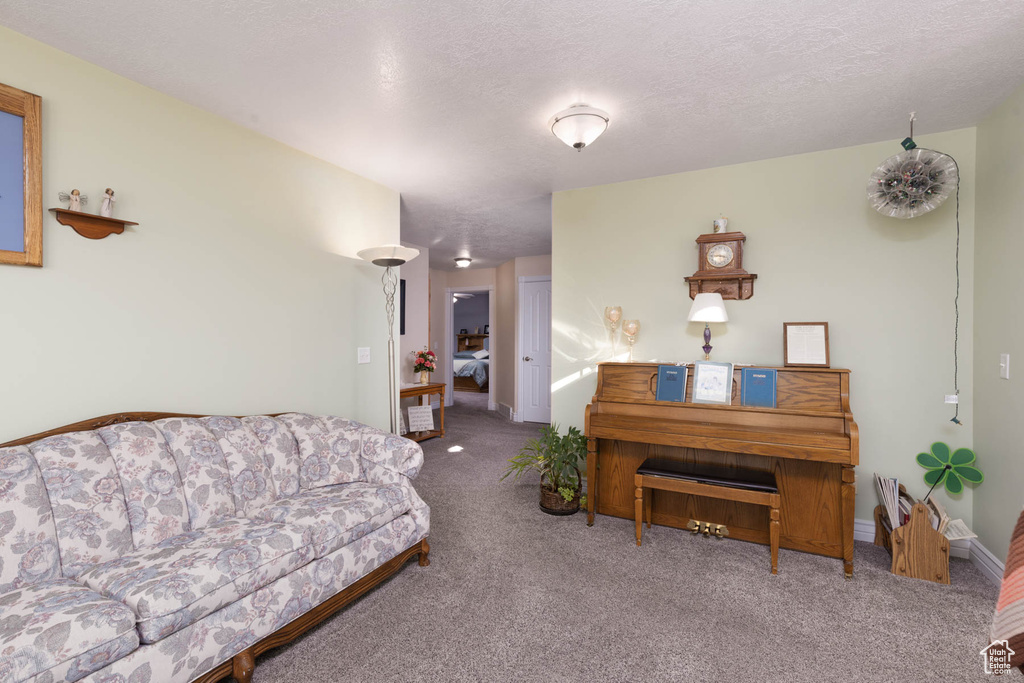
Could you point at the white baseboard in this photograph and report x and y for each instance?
(864, 530)
(971, 549)
(987, 563)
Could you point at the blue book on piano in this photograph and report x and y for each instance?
(757, 387)
(671, 383)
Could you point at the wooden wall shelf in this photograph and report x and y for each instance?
(90, 225)
(471, 341)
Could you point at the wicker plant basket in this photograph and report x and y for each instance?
(552, 502)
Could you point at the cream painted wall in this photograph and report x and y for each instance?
(239, 291)
(999, 325)
(438, 343)
(416, 274)
(504, 364)
(820, 252)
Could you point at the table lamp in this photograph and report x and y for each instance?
(707, 308)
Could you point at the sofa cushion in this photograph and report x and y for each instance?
(329, 456)
(280, 450)
(204, 472)
(183, 579)
(337, 515)
(63, 629)
(89, 510)
(252, 483)
(28, 538)
(149, 479)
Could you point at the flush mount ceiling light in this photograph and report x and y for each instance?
(579, 125)
(463, 262)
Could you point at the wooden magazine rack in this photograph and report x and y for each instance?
(918, 551)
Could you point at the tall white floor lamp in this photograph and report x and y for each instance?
(389, 257)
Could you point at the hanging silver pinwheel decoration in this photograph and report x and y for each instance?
(913, 182)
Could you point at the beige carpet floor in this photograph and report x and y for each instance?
(513, 594)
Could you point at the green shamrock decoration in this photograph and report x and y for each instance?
(956, 467)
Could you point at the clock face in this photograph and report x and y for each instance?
(720, 255)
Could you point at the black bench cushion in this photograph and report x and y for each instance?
(752, 480)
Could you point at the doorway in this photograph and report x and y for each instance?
(469, 326)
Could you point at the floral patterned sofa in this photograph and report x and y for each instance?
(149, 547)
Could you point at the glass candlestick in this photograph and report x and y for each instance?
(630, 328)
(613, 314)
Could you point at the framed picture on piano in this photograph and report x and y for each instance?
(712, 382)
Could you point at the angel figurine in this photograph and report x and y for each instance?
(107, 206)
(76, 200)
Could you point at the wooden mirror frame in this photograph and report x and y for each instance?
(28, 107)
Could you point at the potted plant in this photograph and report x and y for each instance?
(425, 364)
(557, 459)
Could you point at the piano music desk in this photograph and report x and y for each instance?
(810, 442)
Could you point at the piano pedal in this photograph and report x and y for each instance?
(707, 529)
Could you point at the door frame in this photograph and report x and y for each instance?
(449, 326)
(520, 341)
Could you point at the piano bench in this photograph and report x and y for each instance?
(710, 481)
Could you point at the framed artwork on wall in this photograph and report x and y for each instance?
(805, 345)
(401, 307)
(21, 178)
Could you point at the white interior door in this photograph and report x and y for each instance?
(535, 350)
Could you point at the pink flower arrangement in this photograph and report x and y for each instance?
(425, 361)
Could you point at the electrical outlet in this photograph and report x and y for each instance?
(363, 354)
(952, 398)
(1004, 366)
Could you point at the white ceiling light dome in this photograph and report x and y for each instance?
(463, 262)
(579, 125)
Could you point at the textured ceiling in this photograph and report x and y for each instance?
(448, 102)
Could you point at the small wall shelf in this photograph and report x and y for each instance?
(89, 225)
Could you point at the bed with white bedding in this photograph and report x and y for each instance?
(472, 370)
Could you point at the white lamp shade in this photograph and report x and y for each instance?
(708, 308)
(579, 125)
(388, 255)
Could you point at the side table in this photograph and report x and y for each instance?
(425, 391)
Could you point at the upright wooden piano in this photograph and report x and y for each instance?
(809, 441)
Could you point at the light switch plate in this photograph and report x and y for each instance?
(1004, 366)
(364, 354)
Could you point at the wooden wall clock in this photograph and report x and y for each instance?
(720, 267)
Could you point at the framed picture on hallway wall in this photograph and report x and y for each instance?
(21, 178)
(401, 307)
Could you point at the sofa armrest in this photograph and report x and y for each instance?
(385, 455)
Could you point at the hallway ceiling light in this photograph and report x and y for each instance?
(579, 125)
(463, 262)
